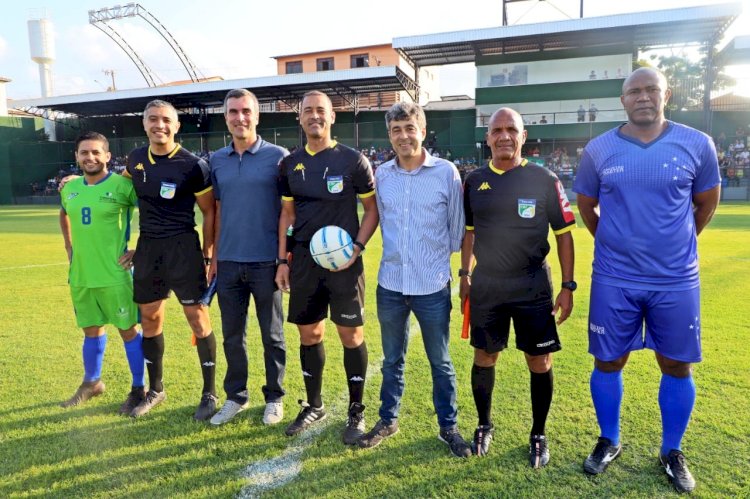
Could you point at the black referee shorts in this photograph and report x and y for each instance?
(494, 302)
(314, 289)
(170, 263)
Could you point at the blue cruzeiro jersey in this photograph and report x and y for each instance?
(646, 235)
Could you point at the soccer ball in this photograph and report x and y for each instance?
(331, 247)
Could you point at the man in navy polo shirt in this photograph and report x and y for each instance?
(245, 176)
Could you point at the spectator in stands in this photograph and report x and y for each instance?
(543, 121)
(592, 75)
(592, 112)
(581, 114)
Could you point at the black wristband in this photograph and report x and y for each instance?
(359, 245)
(463, 273)
(282, 261)
(206, 261)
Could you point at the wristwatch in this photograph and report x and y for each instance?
(282, 261)
(571, 285)
(463, 273)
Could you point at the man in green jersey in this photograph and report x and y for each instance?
(95, 223)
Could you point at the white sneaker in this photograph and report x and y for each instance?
(229, 410)
(274, 413)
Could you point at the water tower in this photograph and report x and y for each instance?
(3, 96)
(42, 45)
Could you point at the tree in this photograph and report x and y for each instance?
(687, 78)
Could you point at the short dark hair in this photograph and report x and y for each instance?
(159, 103)
(317, 92)
(92, 136)
(402, 111)
(238, 93)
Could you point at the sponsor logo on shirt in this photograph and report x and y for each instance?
(72, 195)
(349, 316)
(526, 208)
(139, 166)
(108, 198)
(484, 187)
(545, 344)
(299, 168)
(596, 329)
(335, 184)
(562, 198)
(612, 169)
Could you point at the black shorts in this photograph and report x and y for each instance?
(175, 263)
(314, 289)
(533, 322)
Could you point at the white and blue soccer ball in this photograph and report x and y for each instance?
(331, 247)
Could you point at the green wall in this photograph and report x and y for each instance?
(596, 89)
(549, 55)
(13, 130)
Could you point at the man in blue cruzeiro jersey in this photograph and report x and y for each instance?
(420, 202)
(656, 184)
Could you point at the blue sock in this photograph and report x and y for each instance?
(93, 356)
(134, 353)
(676, 400)
(606, 392)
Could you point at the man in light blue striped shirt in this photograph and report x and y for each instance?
(420, 201)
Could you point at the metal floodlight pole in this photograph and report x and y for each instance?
(506, 2)
(136, 10)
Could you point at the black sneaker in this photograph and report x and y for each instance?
(207, 407)
(538, 451)
(676, 467)
(483, 436)
(306, 417)
(151, 400)
(87, 391)
(379, 432)
(455, 441)
(355, 424)
(135, 397)
(603, 454)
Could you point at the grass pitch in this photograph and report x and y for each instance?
(91, 452)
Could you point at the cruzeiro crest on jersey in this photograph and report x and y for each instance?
(526, 208)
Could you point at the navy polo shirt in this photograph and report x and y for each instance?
(247, 186)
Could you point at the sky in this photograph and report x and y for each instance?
(238, 39)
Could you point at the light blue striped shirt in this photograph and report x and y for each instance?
(422, 223)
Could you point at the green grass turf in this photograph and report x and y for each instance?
(91, 452)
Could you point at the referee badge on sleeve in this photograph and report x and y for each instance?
(167, 190)
(526, 208)
(335, 184)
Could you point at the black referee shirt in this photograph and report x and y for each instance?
(167, 187)
(324, 187)
(510, 213)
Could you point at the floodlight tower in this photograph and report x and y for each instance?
(42, 45)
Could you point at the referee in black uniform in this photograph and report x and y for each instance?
(510, 206)
(320, 184)
(168, 181)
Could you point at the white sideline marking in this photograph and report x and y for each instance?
(33, 266)
(273, 473)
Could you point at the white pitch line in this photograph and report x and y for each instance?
(273, 473)
(33, 266)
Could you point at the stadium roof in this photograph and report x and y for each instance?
(737, 51)
(641, 29)
(288, 88)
